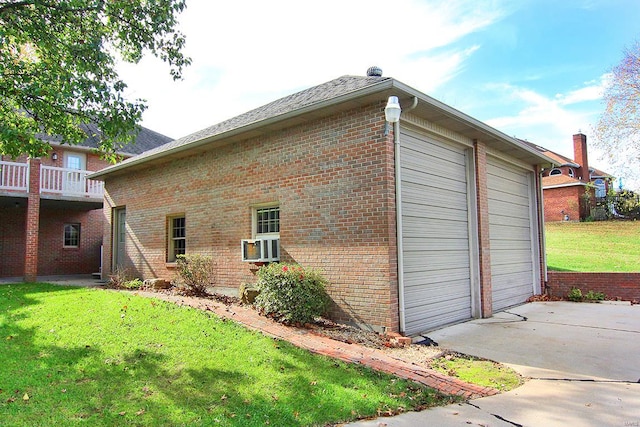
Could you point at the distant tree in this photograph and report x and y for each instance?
(618, 129)
(58, 68)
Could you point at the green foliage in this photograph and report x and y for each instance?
(627, 204)
(121, 278)
(478, 371)
(89, 357)
(575, 295)
(290, 293)
(133, 284)
(594, 296)
(58, 69)
(196, 272)
(601, 246)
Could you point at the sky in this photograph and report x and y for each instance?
(533, 69)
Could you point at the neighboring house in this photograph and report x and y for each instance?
(51, 217)
(571, 187)
(435, 221)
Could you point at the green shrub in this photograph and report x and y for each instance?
(195, 272)
(575, 294)
(132, 284)
(594, 296)
(290, 293)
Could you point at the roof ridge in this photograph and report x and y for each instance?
(295, 101)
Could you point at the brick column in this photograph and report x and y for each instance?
(33, 222)
(484, 249)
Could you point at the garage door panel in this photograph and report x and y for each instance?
(510, 210)
(496, 169)
(437, 152)
(434, 260)
(500, 221)
(418, 164)
(438, 195)
(510, 265)
(510, 245)
(435, 181)
(435, 293)
(418, 244)
(453, 229)
(427, 278)
(500, 233)
(438, 315)
(510, 231)
(432, 213)
(435, 230)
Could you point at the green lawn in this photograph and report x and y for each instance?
(76, 356)
(602, 246)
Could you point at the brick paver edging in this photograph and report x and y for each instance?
(319, 344)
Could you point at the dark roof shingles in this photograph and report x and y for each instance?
(296, 101)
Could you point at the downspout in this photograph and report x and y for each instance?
(398, 178)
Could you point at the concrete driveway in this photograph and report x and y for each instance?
(583, 361)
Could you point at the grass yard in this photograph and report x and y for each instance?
(602, 246)
(76, 356)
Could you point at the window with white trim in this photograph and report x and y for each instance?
(71, 235)
(177, 237)
(555, 171)
(267, 221)
(571, 173)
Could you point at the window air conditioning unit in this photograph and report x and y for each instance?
(261, 250)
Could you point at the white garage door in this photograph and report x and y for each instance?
(435, 233)
(510, 231)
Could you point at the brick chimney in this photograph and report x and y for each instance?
(580, 156)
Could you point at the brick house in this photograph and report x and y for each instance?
(566, 190)
(51, 218)
(431, 220)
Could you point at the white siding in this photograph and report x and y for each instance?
(435, 233)
(511, 233)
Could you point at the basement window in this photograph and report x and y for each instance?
(71, 236)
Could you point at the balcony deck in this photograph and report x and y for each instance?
(55, 183)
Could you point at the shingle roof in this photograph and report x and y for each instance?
(560, 181)
(146, 139)
(345, 91)
(296, 101)
(565, 161)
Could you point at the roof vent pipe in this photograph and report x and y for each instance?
(374, 72)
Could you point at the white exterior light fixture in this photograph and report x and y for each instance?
(391, 112)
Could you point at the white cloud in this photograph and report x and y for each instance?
(591, 92)
(247, 53)
(551, 122)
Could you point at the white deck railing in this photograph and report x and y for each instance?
(66, 182)
(14, 176)
(69, 182)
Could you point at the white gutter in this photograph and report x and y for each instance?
(399, 246)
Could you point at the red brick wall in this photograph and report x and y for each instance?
(557, 200)
(333, 179)
(12, 241)
(624, 286)
(53, 258)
